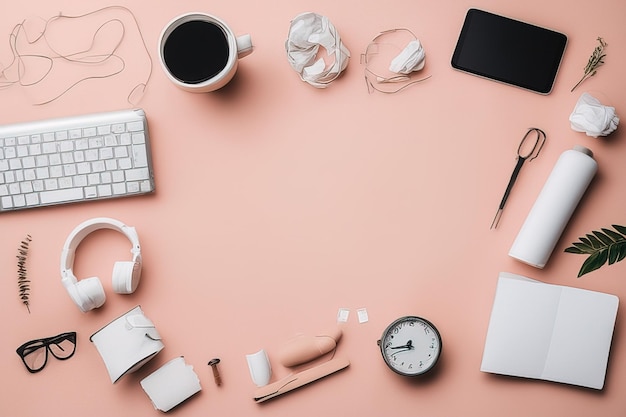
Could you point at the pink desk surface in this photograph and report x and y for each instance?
(278, 203)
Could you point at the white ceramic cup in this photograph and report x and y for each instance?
(200, 53)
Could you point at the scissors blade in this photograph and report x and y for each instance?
(509, 187)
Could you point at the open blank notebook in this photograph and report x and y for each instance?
(551, 332)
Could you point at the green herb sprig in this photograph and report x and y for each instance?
(23, 283)
(602, 246)
(595, 60)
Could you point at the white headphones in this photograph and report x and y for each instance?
(412, 58)
(88, 293)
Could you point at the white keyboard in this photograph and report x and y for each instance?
(74, 159)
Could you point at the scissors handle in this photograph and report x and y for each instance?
(516, 170)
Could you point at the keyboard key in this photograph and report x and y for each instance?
(49, 147)
(51, 184)
(66, 182)
(137, 174)
(97, 142)
(89, 132)
(110, 140)
(138, 138)
(38, 185)
(81, 144)
(29, 174)
(32, 199)
(15, 164)
(19, 200)
(7, 202)
(105, 190)
(119, 188)
(139, 156)
(54, 159)
(134, 126)
(56, 171)
(125, 163)
(42, 173)
(26, 187)
(29, 162)
(21, 151)
(145, 186)
(133, 187)
(106, 153)
(34, 149)
(104, 130)
(61, 196)
(83, 168)
(80, 180)
(42, 161)
(91, 192)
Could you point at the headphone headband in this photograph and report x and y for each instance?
(82, 231)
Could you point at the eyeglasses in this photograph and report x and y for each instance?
(34, 354)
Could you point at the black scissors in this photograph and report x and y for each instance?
(525, 152)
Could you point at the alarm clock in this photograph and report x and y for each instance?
(410, 346)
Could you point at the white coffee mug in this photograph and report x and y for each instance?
(200, 53)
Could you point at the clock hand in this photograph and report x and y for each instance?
(409, 345)
(399, 351)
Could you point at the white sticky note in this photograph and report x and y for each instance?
(342, 315)
(362, 314)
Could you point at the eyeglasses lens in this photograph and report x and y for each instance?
(62, 347)
(35, 356)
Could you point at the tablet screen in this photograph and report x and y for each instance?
(509, 51)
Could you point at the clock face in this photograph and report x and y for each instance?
(410, 346)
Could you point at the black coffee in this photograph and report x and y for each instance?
(196, 51)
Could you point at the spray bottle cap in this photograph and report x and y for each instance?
(584, 150)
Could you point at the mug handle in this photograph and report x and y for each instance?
(244, 46)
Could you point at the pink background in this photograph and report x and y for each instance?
(278, 203)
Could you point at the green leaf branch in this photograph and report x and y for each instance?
(603, 246)
(595, 60)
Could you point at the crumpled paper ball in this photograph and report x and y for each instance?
(307, 33)
(593, 118)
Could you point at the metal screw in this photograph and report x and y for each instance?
(216, 373)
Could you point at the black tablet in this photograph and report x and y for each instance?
(508, 50)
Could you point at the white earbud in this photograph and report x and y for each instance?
(412, 58)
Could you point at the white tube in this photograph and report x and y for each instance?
(260, 368)
(555, 204)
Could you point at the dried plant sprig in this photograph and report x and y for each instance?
(595, 60)
(23, 283)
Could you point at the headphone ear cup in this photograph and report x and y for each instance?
(126, 277)
(89, 294)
